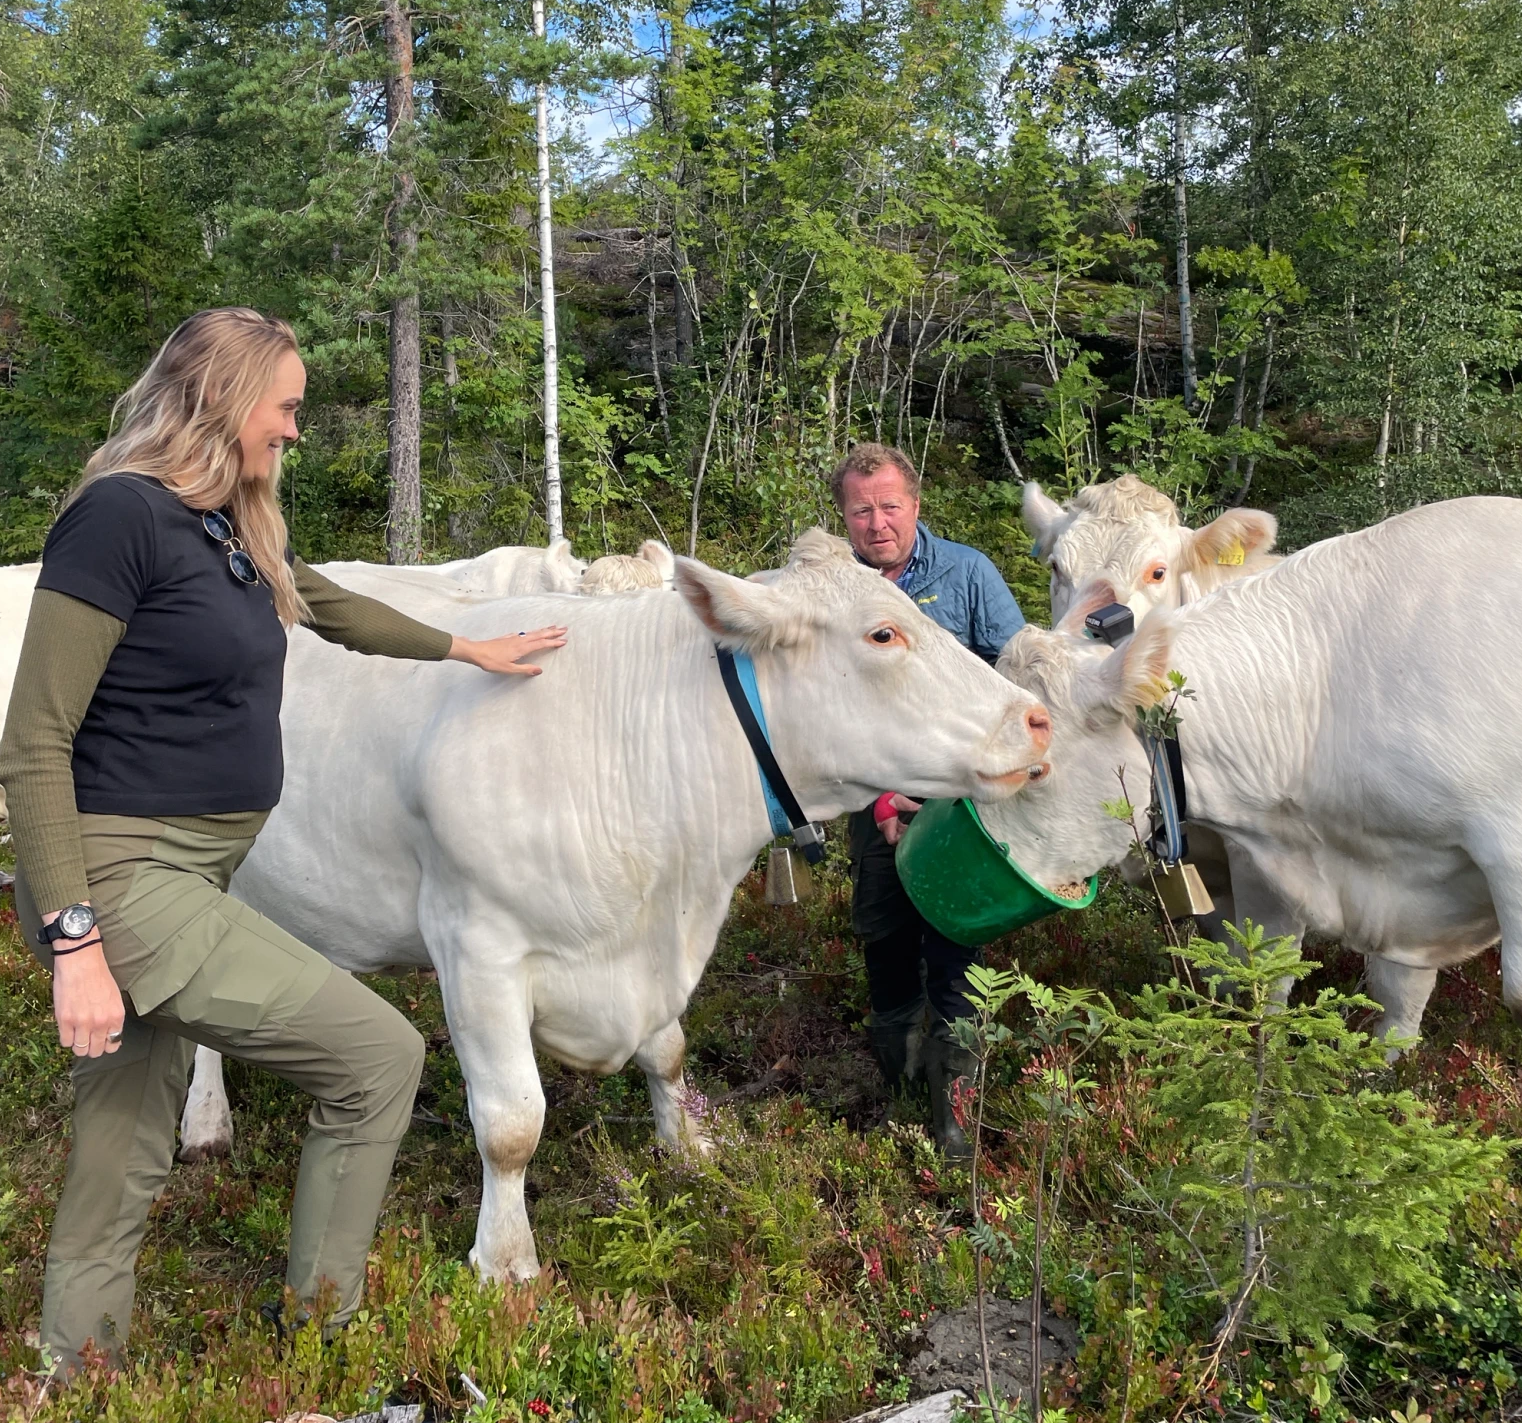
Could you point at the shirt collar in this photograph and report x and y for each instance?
(916, 557)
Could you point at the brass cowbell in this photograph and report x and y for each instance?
(1182, 891)
(787, 875)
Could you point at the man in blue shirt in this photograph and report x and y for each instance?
(877, 491)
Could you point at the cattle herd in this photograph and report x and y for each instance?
(563, 851)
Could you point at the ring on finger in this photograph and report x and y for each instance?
(115, 1037)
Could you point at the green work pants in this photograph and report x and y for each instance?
(196, 966)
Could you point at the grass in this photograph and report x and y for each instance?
(782, 1280)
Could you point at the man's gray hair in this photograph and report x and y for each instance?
(866, 459)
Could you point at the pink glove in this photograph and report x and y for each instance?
(892, 811)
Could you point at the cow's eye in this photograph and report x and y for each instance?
(885, 636)
(1056, 569)
(1157, 573)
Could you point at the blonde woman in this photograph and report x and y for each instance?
(141, 757)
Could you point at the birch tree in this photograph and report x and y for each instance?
(553, 516)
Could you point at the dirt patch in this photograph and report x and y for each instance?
(950, 1355)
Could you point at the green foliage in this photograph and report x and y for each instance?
(643, 1240)
(825, 225)
(1301, 1182)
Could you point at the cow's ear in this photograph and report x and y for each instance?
(1041, 515)
(1231, 539)
(653, 551)
(748, 616)
(562, 569)
(1134, 675)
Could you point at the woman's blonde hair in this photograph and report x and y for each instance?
(180, 424)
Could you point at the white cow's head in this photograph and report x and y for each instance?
(863, 692)
(561, 570)
(1058, 831)
(654, 566)
(1129, 534)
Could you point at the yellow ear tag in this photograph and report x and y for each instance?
(1233, 555)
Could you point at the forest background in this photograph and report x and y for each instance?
(1262, 250)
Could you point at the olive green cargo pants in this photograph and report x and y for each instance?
(196, 966)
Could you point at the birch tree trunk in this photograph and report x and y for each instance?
(1387, 404)
(1180, 208)
(451, 379)
(552, 507)
(404, 522)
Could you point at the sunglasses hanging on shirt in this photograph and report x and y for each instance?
(220, 527)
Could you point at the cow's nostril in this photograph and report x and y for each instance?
(1039, 724)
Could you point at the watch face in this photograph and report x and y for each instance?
(76, 921)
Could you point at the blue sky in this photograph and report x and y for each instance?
(614, 113)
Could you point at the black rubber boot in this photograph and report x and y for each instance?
(896, 1038)
(945, 1061)
(272, 1313)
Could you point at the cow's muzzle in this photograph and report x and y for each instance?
(1036, 724)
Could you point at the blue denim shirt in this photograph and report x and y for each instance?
(960, 588)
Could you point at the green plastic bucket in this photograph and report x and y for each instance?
(963, 880)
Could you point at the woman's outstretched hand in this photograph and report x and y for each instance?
(506, 655)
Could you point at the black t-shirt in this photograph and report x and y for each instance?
(186, 718)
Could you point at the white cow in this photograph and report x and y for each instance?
(1354, 742)
(563, 850)
(17, 582)
(1130, 534)
(1128, 537)
(654, 566)
(498, 573)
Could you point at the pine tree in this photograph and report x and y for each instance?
(1300, 1182)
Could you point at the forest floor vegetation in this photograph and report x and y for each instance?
(787, 1278)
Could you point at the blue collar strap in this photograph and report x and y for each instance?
(1170, 802)
(782, 807)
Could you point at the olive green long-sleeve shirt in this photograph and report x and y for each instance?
(63, 655)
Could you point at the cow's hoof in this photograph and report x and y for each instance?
(514, 1272)
(208, 1149)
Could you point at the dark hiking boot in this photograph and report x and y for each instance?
(945, 1062)
(272, 1313)
(896, 1039)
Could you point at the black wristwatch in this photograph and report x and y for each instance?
(72, 923)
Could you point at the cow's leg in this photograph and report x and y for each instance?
(1496, 847)
(660, 1059)
(489, 1018)
(206, 1126)
(1402, 993)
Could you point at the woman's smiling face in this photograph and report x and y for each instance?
(271, 424)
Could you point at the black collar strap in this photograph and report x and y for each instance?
(807, 836)
(1169, 809)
